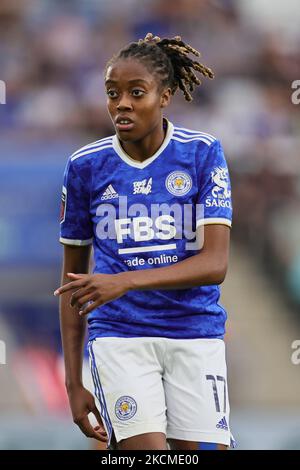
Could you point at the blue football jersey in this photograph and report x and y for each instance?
(144, 215)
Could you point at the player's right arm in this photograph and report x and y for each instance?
(73, 327)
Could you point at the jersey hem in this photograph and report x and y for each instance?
(93, 337)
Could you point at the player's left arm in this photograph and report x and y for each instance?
(207, 267)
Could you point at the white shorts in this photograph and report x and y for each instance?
(152, 384)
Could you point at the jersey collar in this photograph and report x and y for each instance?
(130, 161)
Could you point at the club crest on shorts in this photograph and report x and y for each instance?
(125, 408)
(178, 183)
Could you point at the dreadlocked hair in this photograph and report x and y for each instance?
(169, 58)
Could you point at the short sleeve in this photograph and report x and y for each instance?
(214, 205)
(75, 223)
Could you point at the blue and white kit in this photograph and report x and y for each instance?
(114, 202)
(144, 215)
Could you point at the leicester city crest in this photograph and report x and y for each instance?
(178, 183)
(125, 408)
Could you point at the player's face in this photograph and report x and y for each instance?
(135, 101)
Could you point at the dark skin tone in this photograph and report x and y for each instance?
(73, 329)
(134, 93)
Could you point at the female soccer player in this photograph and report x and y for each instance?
(155, 326)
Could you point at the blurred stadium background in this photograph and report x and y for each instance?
(52, 54)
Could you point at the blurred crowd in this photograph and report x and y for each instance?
(52, 56)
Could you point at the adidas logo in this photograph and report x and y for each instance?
(222, 424)
(109, 193)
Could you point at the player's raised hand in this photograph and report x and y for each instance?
(94, 289)
(82, 403)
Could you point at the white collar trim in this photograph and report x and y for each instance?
(130, 161)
